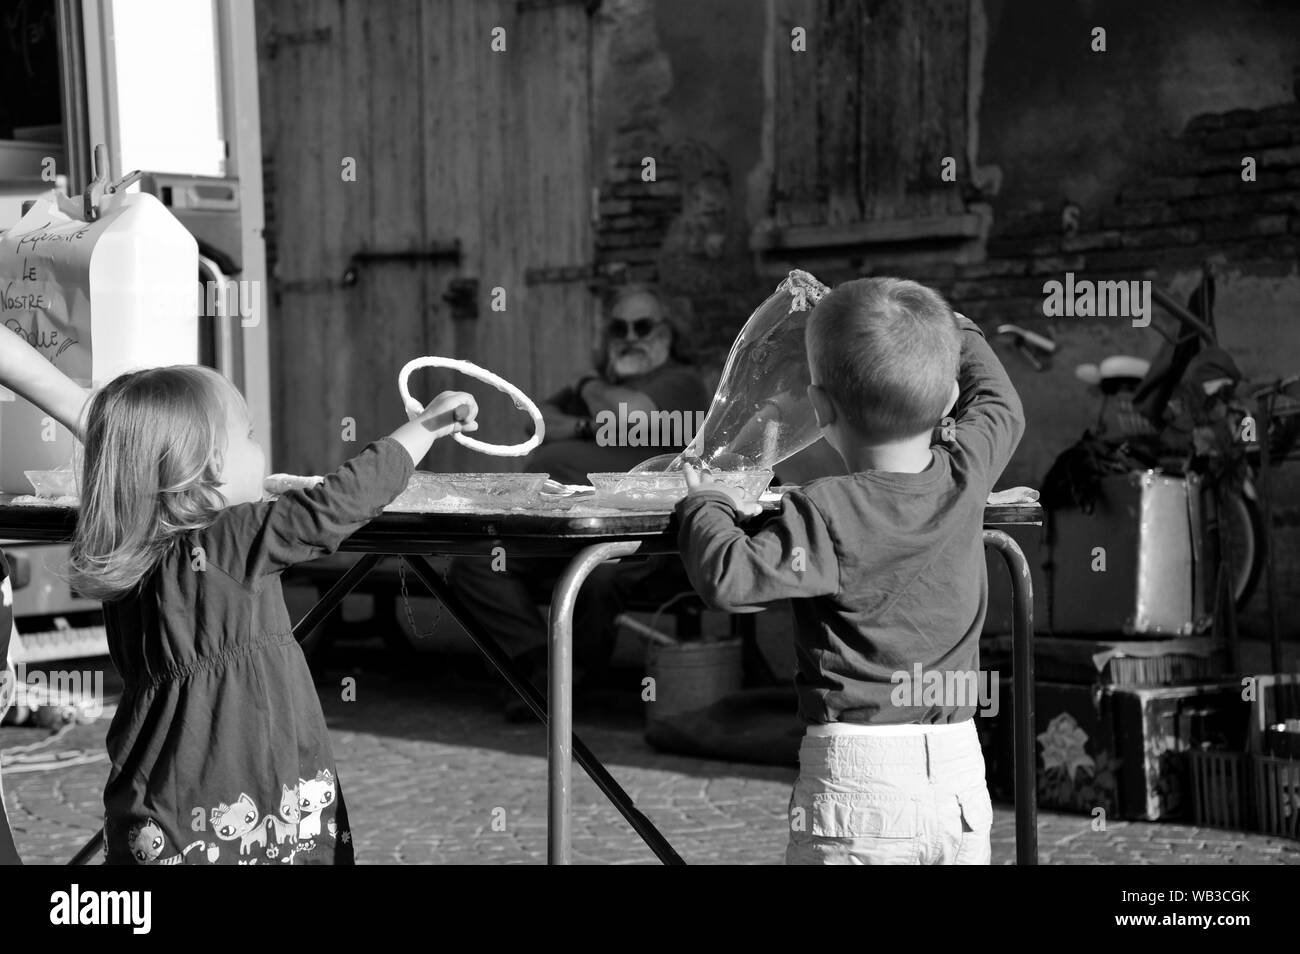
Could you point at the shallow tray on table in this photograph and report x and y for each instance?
(658, 489)
(53, 483)
(452, 492)
(428, 492)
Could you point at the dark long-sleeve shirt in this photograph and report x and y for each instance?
(219, 748)
(885, 571)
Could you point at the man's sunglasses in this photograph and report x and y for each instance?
(641, 328)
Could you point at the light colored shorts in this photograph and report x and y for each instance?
(898, 795)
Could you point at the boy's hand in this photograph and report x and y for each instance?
(451, 412)
(696, 484)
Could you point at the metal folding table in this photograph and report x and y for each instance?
(587, 538)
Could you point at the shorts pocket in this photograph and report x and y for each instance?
(976, 808)
(845, 815)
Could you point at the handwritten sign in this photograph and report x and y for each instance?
(132, 270)
(44, 285)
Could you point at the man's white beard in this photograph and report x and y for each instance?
(630, 364)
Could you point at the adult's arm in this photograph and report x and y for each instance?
(558, 414)
(673, 387)
(25, 371)
(600, 396)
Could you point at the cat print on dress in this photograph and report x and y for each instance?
(285, 827)
(147, 842)
(239, 820)
(314, 796)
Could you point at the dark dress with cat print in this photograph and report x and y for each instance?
(219, 748)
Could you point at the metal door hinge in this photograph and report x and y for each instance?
(559, 274)
(274, 40)
(524, 6)
(462, 296)
(307, 286)
(435, 252)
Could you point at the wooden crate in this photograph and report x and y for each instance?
(1277, 796)
(1219, 781)
(1276, 698)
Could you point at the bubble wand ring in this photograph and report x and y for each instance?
(522, 401)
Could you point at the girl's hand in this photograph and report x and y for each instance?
(697, 484)
(451, 412)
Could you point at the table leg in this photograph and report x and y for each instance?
(89, 850)
(1022, 639)
(585, 757)
(559, 757)
(334, 596)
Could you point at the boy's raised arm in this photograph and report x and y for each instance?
(990, 418)
(25, 371)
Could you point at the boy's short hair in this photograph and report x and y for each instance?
(886, 350)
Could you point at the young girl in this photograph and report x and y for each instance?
(219, 748)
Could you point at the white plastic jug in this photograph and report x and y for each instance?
(96, 299)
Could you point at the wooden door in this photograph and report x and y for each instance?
(455, 145)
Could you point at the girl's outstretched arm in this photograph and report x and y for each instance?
(258, 540)
(24, 370)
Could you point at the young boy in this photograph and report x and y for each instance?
(885, 570)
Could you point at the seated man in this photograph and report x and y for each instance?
(638, 372)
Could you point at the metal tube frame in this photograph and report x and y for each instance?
(1024, 757)
(528, 692)
(557, 712)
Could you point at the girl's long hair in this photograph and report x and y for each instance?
(151, 466)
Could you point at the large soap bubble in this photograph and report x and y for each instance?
(760, 413)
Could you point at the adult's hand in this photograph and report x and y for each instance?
(560, 426)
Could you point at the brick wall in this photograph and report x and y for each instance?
(683, 232)
(635, 216)
(1173, 219)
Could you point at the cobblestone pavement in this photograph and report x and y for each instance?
(430, 771)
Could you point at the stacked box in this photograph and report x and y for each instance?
(1134, 564)
(1122, 749)
(1156, 726)
(1077, 766)
(1162, 662)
